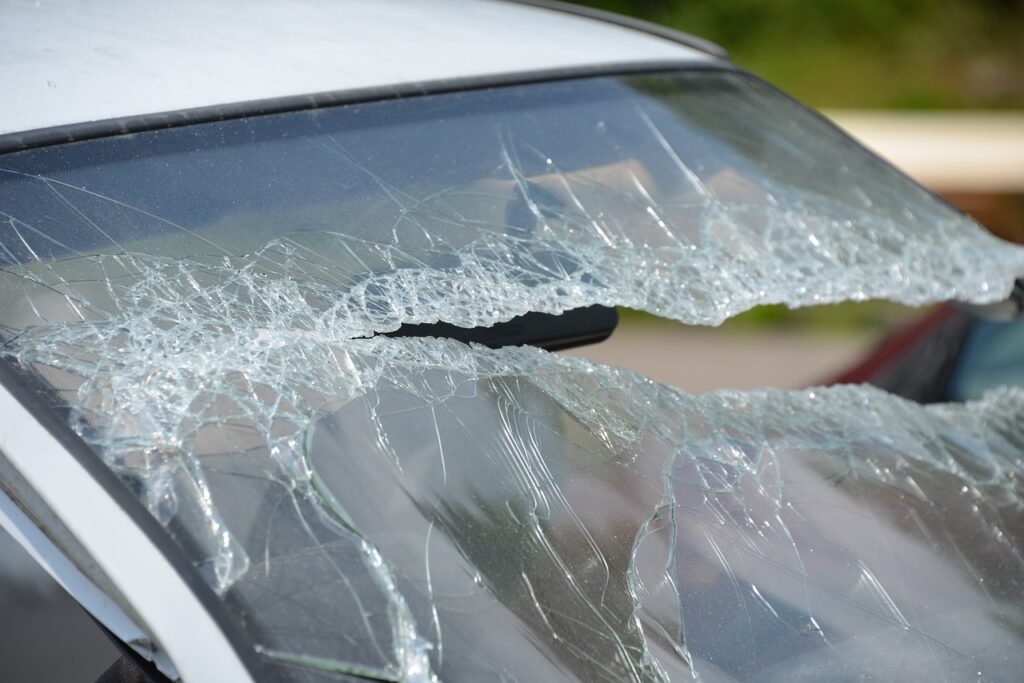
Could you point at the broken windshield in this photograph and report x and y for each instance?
(203, 302)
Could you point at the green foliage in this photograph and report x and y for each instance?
(864, 53)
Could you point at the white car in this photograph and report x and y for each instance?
(280, 285)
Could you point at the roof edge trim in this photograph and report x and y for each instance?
(89, 130)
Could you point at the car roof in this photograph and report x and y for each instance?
(64, 62)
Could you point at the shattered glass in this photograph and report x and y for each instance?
(206, 303)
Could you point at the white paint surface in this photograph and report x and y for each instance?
(16, 523)
(68, 61)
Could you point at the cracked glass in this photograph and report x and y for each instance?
(206, 306)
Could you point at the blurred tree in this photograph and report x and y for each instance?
(863, 53)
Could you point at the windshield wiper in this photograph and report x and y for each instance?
(577, 327)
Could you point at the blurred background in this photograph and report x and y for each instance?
(935, 87)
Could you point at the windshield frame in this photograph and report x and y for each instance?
(90, 130)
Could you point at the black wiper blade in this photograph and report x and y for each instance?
(577, 327)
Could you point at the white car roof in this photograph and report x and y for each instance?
(64, 62)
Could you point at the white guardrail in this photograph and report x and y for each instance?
(966, 152)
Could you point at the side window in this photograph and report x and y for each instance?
(44, 634)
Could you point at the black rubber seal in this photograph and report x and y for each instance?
(126, 125)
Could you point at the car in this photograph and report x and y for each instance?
(952, 354)
(281, 292)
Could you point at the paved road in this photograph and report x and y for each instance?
(704, 359)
